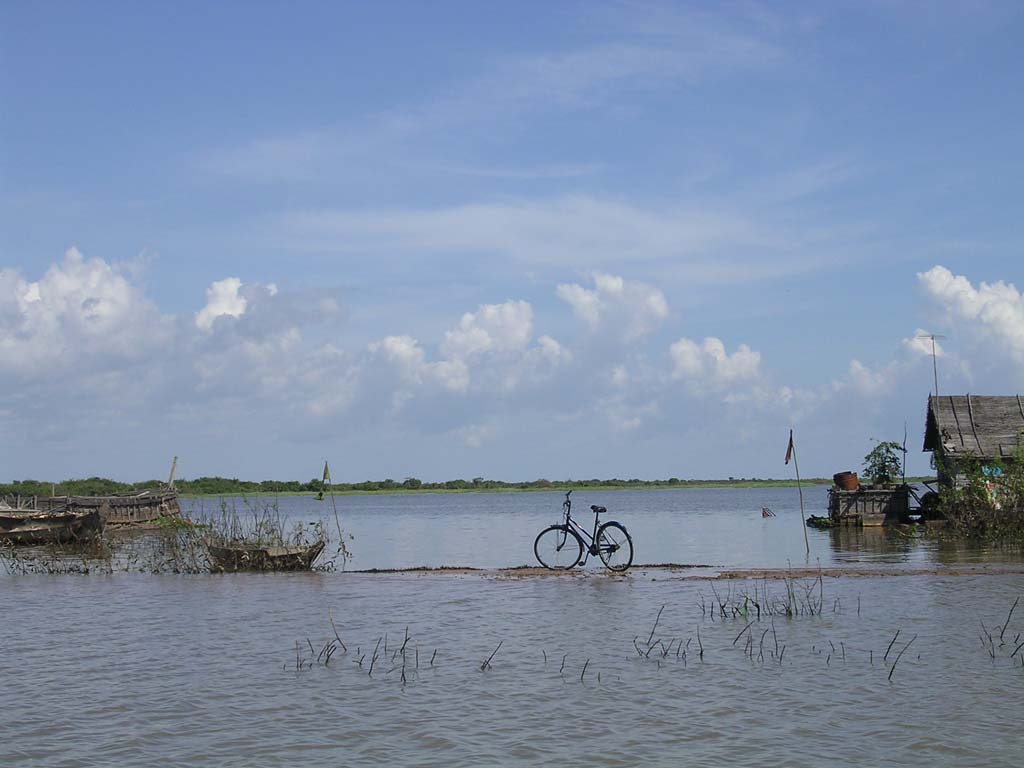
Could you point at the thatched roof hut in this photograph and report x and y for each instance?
(984, 427)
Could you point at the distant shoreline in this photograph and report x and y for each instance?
(693, 484)
(704, 484)
(214, 487)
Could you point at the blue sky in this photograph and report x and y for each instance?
(538, 239)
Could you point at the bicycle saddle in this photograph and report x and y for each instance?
(597, 510)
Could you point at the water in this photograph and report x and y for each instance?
(713, 526)
(143, 670)
(135, 669)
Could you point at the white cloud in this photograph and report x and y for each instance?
(489, 375)
(633, 309)
(709, 362)
(410, 359)
(487, 351)
(223, 300)
(496, 328)
(920, 345)
(993, 311)
(868, 382)
(585, 304)
(82, 313)
(404, 351)
(551, 351)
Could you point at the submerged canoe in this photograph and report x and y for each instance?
(30, 526)
(251, 557)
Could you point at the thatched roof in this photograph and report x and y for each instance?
(985, 427)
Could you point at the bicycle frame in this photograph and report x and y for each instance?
(605, 540)
(591, 548)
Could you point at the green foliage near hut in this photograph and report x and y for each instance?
(985, 498)
(882, 465)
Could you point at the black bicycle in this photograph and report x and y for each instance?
(561, 547)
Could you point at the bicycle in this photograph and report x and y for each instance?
(560, 547)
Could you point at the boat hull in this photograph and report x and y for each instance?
(122, 510)
(34, 527)
(241, 557)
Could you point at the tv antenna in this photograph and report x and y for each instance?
(935, 365)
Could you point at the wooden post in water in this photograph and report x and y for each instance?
(791, 454)
(334, 505)
(170, 477)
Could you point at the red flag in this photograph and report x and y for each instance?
(789, 448)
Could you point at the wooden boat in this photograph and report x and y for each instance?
(238, 556)
(122, 509)
(33, 526)
(125, 509)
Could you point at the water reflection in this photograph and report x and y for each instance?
(876, 544)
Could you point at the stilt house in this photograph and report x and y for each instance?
(984, 428)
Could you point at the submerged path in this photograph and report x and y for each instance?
(704, 571)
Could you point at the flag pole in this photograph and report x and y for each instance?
(791, 452)
(904, 453)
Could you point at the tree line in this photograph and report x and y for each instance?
(223, 486)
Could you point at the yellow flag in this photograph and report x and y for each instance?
(327, 473)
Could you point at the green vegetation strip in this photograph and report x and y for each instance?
(222, 486)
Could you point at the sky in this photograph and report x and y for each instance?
(519, 240)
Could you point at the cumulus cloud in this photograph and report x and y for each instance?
(496, 328)
(410, 359)
(222, 300)
(920, 345)
(257, 348)
(993, 311)
(709, 362)
(490, 349)
(634, 309)
(81, 312)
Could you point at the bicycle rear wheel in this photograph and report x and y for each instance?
(558, 548)
(614, 547)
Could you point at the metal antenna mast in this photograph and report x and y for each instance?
(935, 365)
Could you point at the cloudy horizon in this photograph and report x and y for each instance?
(621, 240)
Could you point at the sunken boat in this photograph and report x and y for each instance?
(23, 527)
(229, 557)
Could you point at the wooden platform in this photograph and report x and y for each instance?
(869, 506)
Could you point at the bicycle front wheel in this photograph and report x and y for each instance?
(558, 548)
(614, 547)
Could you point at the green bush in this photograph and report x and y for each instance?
(882, 465)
